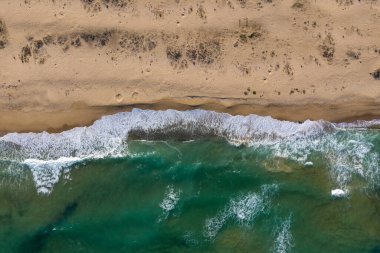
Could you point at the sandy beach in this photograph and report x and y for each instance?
(65, 63)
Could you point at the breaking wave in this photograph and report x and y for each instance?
(169, 202)
(47, 173)
(284, 240)
(243, 210)
(347, 150)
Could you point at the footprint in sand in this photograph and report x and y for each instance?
(119, 98)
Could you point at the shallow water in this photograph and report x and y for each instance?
(235, 190)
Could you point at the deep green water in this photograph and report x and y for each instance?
(193, 196)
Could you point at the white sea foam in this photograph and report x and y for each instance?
(47, 173)
(107, 136)
(348, 152)
(190, 239)
(284, 240)
(170, 201)
(360, 124)
(242, 210)
(309, 164)
(338, 193)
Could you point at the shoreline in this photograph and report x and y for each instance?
(54, 121)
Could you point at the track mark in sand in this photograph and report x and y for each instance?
(119, 98)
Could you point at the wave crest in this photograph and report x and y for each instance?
(243, 210)
(107, 136)
(284, 239)
(347, 151)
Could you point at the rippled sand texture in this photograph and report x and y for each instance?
(318, 58)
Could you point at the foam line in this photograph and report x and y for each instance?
(347, 151)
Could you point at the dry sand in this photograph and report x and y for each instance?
(64, 63)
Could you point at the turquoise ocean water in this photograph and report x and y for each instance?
(193, 181)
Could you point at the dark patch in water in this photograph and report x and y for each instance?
(173, 133)
(37, 242)
(5, 218)
(69, 210)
